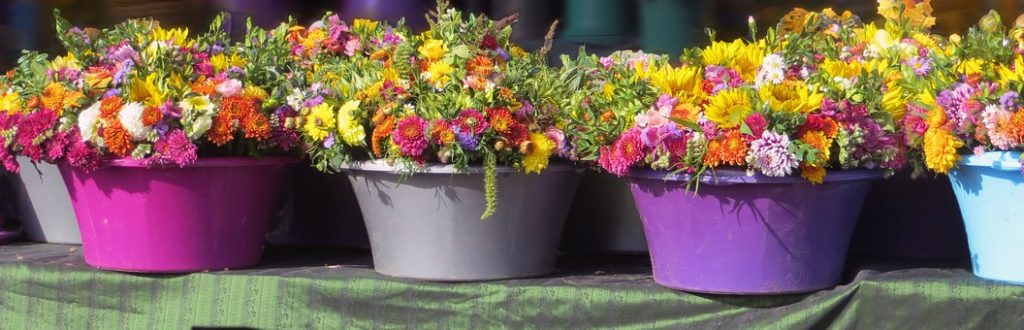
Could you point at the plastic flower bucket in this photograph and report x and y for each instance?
(44, 206)
(427, 225)
(989, 188)
(603, 218)
(598, 21)
(741, 234)
(910, 219)
(320, 211)
(211, 215)
(667, 26)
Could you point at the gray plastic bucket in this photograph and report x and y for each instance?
(44, 206)
(428, 226)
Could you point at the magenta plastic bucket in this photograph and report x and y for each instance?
(211, 215)
(748, 234)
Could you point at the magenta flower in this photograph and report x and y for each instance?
(174, 148)
(410, 136)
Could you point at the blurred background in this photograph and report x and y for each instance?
(664, 26)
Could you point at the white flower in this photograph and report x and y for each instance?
(773, 70)
(87, 121)
(295, 98)
(130, 117)
(199, 127)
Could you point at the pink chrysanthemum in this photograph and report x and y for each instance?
(82, 155)
(30, 128)
(410, 136)
(174, 148)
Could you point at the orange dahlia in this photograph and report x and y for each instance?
(110, 106)
(501, 120)
(151, 116)
(480, 65)
(117, 139)
(728, 150)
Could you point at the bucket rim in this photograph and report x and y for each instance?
(203, 162)
(998, 160)
(735, 176)
(380, 165)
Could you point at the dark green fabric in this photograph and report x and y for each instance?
(48, 286)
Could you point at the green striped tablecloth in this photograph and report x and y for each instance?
(49, 287)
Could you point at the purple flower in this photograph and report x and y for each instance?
(665, 104)
(329, 141)
(170, 110)
(390, 38)
(525, 111)
(313, 101)
(607, 62)
(1009, 100)
(122, 52)
(466, 139)
(921, 65)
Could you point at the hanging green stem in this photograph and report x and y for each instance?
(490, 184)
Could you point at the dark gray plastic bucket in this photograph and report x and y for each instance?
(44, 206)
(428, 226)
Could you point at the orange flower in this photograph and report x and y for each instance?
(1015, 127)
(819, 140)
(685, 111)
(480, 65)
(222, 130)
(56, 97)
(730, 150)
(442, 133)
(382, 133)
(256, 126)
(204, 86)
(151, 116)
(814, 174)
(110, 106)
(118, 140)
(501, 120)
(607, 116)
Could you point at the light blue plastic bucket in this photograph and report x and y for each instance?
(990, 190)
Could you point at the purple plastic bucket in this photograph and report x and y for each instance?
(741, 234)
(211, 215)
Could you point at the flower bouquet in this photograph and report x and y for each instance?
(173, 148)
(428, 127)
(779, 135)
(969, 127)
(30, 97)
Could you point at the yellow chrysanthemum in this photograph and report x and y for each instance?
(818, 140)
(814, 174)
(319, 122)
(790, 96)
(221, 62)
(255, 92)
(313, 38)
(389, 74)
(517, 52)
(537, 153)
(437, 73)
(940, 150)
(433, 49)
(147, 91)
(683, 82)
(352, 133)
(10, 102)
(729, 108)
